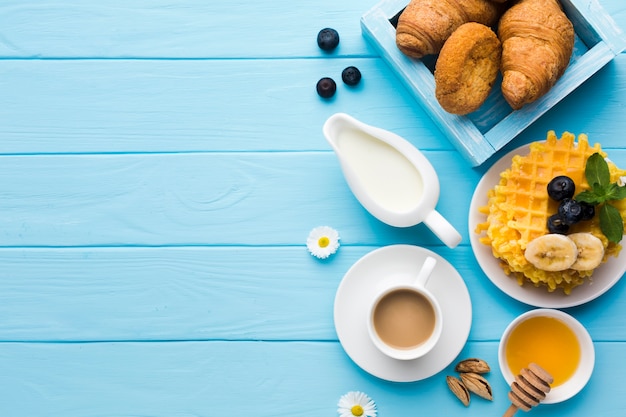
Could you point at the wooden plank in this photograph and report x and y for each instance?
(186, 29)
(257, 378)
(76, 106)
(599, 21)
(219, 293)
(176, 29)
(199, 199)
(84, 106)
(204, 198)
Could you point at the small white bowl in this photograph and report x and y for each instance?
(587, 354)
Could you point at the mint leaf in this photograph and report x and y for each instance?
(602, 190)
(615, 192)
(597, 171)
(594, 196)
(611, 223)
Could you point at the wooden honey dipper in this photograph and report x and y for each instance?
(528, 389)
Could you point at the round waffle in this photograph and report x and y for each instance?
(519, 206)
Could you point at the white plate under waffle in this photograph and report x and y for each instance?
(607, 275)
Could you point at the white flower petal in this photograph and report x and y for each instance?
(352, 398)
(313, 242)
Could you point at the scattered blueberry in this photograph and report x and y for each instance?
(351, 75)
(326, 87)
(557, 225)
(571, 211)
(561, 187)
(589, 210)
(328, 39)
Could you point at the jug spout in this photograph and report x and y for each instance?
(390, 177)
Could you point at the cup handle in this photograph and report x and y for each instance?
(424, 273)
(442, 229)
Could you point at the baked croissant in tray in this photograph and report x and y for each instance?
(537, 42)
(424, 25)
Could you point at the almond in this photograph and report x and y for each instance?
(475, 365)
(477, 384)
(459, 389)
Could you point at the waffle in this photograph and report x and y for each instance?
(518, 208)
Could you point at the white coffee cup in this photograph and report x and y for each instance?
(405, 320)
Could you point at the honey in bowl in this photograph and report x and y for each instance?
(555, 341)
(547, 341)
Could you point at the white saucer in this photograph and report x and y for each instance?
(604, 277)
(402, 263)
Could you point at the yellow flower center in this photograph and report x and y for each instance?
(323, 242)
(357, 410)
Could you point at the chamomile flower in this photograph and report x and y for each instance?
(356, 404)
(322, 242)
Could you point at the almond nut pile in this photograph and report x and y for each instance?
(470, 380)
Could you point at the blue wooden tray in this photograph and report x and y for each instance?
(479, 135)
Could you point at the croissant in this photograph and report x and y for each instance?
(424, 25)
(537, 42)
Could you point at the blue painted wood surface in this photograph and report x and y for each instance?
(161, 165)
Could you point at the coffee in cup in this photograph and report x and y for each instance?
(405, 319)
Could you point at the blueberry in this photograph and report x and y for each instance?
(557, 225)
(351, 75)
(589, 210)
(561, 187)
(326, 87)
(328, 39)
(571, 211)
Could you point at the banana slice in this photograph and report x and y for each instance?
(590, 251)
(551, 252)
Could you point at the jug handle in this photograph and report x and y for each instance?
(442, 229)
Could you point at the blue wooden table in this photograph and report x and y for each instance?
(161, 165)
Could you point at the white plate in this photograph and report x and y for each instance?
(603, 278)
(358, 289)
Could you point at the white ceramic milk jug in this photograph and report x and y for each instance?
(389, 176)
